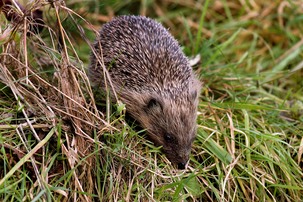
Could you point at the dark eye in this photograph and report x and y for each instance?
(169, 138)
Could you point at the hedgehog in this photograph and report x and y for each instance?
(151, 75)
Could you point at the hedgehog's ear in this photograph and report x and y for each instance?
(193, 95)
(152, 104)
(194, 90)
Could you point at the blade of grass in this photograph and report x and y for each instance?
(28, 155)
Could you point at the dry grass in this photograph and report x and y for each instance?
(56, 145)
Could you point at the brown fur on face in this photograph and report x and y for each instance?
(170, 123)
(153, 78)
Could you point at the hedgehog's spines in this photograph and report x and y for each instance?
(146, 63)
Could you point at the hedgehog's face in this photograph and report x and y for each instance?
(172, 125)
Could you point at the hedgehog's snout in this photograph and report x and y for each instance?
(181, 165)
(182, 160)
(178, 158)
(179, 162)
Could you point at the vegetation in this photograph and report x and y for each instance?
(56, 145)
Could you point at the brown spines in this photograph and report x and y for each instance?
(151, 75)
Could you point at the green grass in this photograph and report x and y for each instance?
(55, 145)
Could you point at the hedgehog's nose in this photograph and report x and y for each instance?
(181, 165)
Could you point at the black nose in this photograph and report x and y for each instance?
(181, 165)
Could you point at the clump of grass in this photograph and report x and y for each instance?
(56, 145)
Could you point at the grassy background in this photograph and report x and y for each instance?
(55, 145)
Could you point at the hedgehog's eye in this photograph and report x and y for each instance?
(169, 138)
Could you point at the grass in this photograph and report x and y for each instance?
(55, 145)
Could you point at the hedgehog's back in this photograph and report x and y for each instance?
(141, 54)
